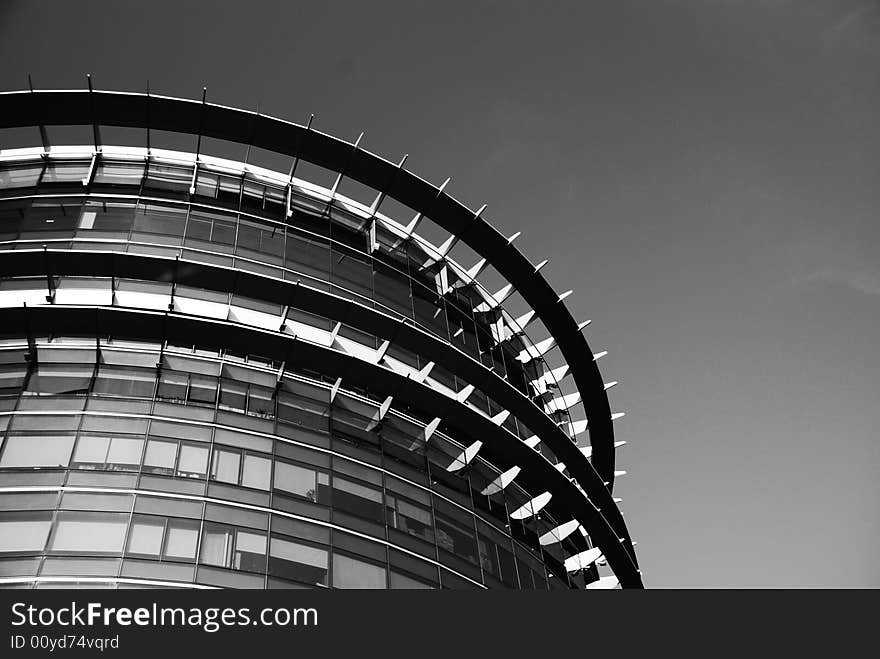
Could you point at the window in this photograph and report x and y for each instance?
(181, 387)
(36, 451)
(113, 453)
(160, 457)
(261, 401)
(229, 547)
(172, 386)
(20, 176)
(167, 538)
(125, 452)
(302, 482)
(60, 379)
(308, 255)
(202, 390)
(233, 396)
(358, 499)
(89, 533)
(298, 562)
(193, 461)
(353, 573)
(130, 382)
(489, 556)
(12, 377)
(181, 539)
(250, 551)
(409, 518)
(160, 219)
(403, 582)
(119, 173)
(256, 472)
(27, 532)
(145, 537)
(216, 546)
(237, 467)
(168, 177)
(392, 289)
(456, 537)
(65, 172)
(225, 466)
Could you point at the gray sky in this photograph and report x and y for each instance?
(703, 174)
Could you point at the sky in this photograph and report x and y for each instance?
(704, 175)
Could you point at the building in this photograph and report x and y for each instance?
(216, 374)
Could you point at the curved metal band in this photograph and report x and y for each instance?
(506, 450)
(246, 127)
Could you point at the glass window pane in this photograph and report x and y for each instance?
(292, 560)
(250, 551)
(296, 480)
(65, 172)
(402, 582)
(119, 173)
(225, 466)
(203, 389)
(20, 176)
(130, 382)
(256, 472)
(412, 519)
(352, 573)
(125, 452)
(181, 540)
(39, 451)
(232, 396)
(145, 536)
(456, 538)
(216, 546)
(193, 461)
(172, 386)
(23, 534)
(160, 456)
(358, 499)
(489, 556)
(91, 450)
(169, 177)
(88, 533)
(60, 379)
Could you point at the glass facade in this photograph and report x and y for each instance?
(154, 480)
(134, 463)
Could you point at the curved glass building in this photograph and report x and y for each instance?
(219, 374)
